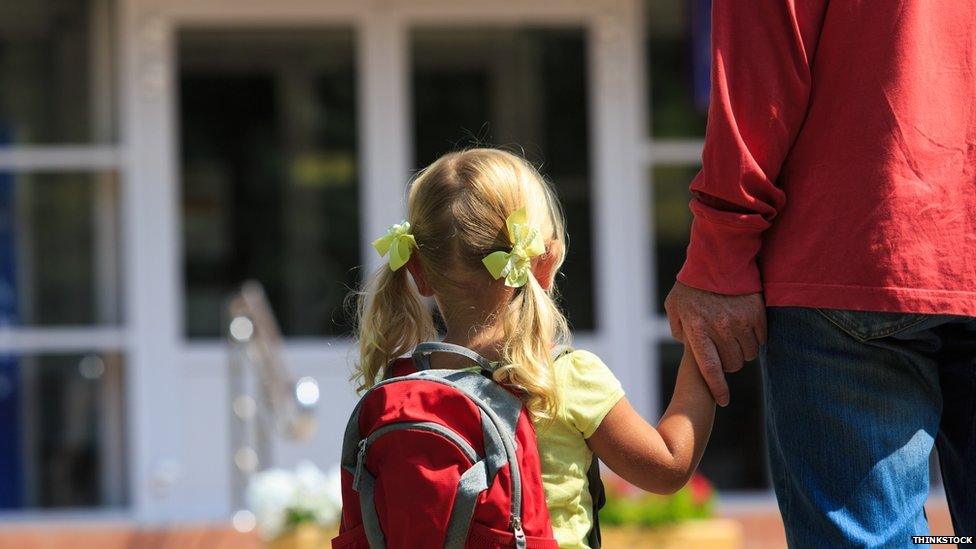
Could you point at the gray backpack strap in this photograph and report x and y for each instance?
(353, 460)
(559, 350)
(367, 509)
(421, 355)
(473, 482)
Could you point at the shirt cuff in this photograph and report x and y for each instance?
(721, 258)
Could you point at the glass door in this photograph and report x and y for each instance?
(63, 357)
(269, 175)
(269, 186)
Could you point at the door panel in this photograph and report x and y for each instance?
(269, 174)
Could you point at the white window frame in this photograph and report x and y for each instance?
(93, 158)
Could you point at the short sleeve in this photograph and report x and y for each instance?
(589, 390)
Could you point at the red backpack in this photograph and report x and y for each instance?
(441, 458)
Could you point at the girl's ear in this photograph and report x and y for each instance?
(419, 278)
(544, 268)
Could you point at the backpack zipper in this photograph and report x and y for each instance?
(519, 533)
(360, 460)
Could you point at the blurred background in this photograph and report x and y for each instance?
(154, 154)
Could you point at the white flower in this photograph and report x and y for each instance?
(334, 490)
(269, 495)
(315, 494)
(273, 493)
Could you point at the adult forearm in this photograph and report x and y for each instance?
(761, 81)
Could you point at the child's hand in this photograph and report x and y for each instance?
(689, 369)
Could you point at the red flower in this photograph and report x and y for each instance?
(701, 489)
(617, 485)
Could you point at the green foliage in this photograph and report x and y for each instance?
(629, 506)
(296, 516)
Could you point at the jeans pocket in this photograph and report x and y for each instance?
(869, 325)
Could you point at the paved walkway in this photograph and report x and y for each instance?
(761, 524)
(763, 528)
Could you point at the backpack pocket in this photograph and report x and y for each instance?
(429, 480)
(352, 539)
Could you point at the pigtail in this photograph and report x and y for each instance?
(392, 320)
(533, 325)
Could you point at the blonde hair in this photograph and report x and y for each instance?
(457, 208)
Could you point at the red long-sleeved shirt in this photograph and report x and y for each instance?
(839, 167)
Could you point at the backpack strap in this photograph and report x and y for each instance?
(599, 496)
(367, 510)
(559, 350)
(472, 484)
(421, 355)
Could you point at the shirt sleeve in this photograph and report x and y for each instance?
(761, 79)
(590, 390)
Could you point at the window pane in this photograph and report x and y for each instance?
(524, 88)
(678, 43)
(62, 431)
(270, 187)
(58, 249)
(736, 454)
(672, 223)
(56, 78)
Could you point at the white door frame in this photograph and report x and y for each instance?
(161, 361)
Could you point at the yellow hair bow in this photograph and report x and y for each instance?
(516, 265)
(398, 242)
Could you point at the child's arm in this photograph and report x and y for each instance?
(659, 460)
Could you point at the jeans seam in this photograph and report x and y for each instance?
(849, 327)
(895, 329)
(787, 488)
(775, 446)
(844, 326)
(952, 512)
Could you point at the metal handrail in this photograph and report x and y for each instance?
(266, 398)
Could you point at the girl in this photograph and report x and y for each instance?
(484, 237)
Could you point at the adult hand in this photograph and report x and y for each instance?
(722, 331)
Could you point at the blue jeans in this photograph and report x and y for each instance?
(854, 403)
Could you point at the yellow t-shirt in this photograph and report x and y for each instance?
(588, 391)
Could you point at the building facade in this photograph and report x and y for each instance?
(156, 153)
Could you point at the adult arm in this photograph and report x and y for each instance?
(761, 82)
